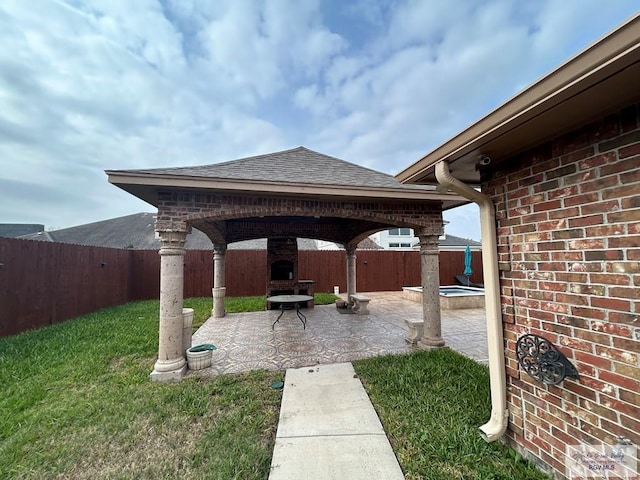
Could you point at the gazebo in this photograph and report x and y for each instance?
(290, 194)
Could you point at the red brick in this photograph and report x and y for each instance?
(618, 431)
(586, 244)
(552, 266)
(535, 217)
(578, 155)
(601, 385)
(600, 410)
(596, 255)
(624, 317)
(615, 194)
(619, 380)
(623, 292)
(572, 299)
(575, 344)
(519, 212)
(632, 176)
(592, 336)
(605, 230)
(596, 161)
(600, 434)
(586, 312)
(585, 221)
(549, 205)
(581, 199)
(598, 184)
(611, 304)
(617, 329)
(618, 353)
(581, 390)
(600, 207)
(593, 360)
(624, 216)
(631, 398)
(618, 405)
(631, 241)
(609, 279)
(624, 267)
(545, 246)
(564, 213)
(558, 224)
(627, 370)
(571, 277)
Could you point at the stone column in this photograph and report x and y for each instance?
(219, 289)
(351, 272)
(430, 273)
(171, 363)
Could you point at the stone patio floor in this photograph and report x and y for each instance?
(246, 341)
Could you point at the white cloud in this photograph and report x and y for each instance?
(106, 84)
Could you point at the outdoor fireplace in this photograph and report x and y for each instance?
(282, 270)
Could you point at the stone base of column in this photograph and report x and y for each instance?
(427, 343)
(172, 375)
(218, 294)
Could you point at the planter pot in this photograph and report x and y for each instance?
(199, 357)
(341, 304)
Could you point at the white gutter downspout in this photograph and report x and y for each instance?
(497, 424)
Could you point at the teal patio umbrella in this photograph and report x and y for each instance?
(467, 264)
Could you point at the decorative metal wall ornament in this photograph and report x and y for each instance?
(543, 361)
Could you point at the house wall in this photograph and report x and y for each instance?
(568, 224)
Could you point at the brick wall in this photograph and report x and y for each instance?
(221, 216)
(568, 219)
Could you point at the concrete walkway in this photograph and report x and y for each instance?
(329, 430)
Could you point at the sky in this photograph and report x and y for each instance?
(89, 86)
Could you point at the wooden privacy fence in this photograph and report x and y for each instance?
(42, 283)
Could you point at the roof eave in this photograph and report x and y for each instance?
(142, 185)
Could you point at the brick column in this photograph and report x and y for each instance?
(430, 275)
(219, 289)
(351, 272)
(171, 364)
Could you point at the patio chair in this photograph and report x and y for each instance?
(463, 280)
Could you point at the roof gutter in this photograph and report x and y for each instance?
(497, 424)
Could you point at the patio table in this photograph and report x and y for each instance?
(289, 302)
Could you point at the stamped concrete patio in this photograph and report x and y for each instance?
(246, 341)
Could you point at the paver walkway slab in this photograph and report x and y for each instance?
(329, 430)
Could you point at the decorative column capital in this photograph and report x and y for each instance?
(429, 244)
(351, 250)
(173, 235)
(436, 229)
(219, 248)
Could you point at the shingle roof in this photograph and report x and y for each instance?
(453, 241)
(298, 165)
(137, 231)
(18, 229)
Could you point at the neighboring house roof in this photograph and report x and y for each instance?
(137, 231)
(453, 241)
(602, 78)
(298, 171)
(18, 229)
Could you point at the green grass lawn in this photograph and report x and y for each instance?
(76, 402)
(431, 405)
